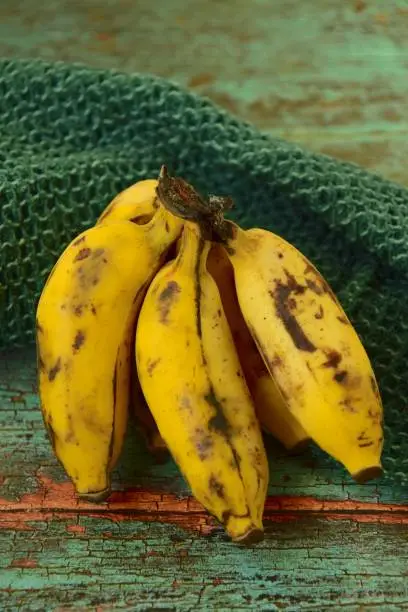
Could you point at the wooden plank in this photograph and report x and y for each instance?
(310, 564)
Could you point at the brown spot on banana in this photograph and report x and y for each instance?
(320, 313)
(79, 241)
(218, 422)
(166, 300)
(341, 377)
(185, 404)
(216, 487)
(342, 319)
(151, 365)
(281, 296)
(348, 406)
(313, 286)
(78, 341)
(70, 437)
(333, 359)
(54, 370)
(203, 443)
(93, 309)
(78, 310)
(83, 254)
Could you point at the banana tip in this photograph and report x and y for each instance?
(252, 536)
(367, 474)
(95, 496)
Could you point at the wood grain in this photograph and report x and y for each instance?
(102, 564)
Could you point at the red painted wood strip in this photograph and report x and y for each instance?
(58, 500)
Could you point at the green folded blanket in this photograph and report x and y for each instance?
(73, 137)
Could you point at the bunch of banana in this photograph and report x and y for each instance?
(211, 333)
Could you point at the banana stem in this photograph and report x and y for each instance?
(181, 199)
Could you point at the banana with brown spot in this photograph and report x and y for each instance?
(310, 347)
(137, 203)
(194, 385)
(85, 326)
(271, 408)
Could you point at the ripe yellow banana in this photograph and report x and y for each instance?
(193, 383)
(310, 347)
(137, 203)
(85, 321)
(272, 410)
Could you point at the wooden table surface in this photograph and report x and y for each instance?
(333, 76)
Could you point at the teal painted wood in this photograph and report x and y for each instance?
(332, 76)
(304, 565)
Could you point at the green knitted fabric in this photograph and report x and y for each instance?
(73, 137)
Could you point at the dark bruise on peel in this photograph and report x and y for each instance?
(78, 309)
(151, 365)
(218, 422)
(366, 444)
(320, 313)
(281, 297)
(79, 241)
(313, 286)
(54, 370)
(83, 254)
(166, 299)
(78, 341)
(203, 444)
(216, 487)
(333, 359)
(348, 406)
(341, 376)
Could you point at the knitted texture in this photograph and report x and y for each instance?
(73, 137)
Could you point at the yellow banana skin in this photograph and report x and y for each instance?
(137, 203)
(85, 321)
(310, 348)
(193, 383)
(272, 410)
